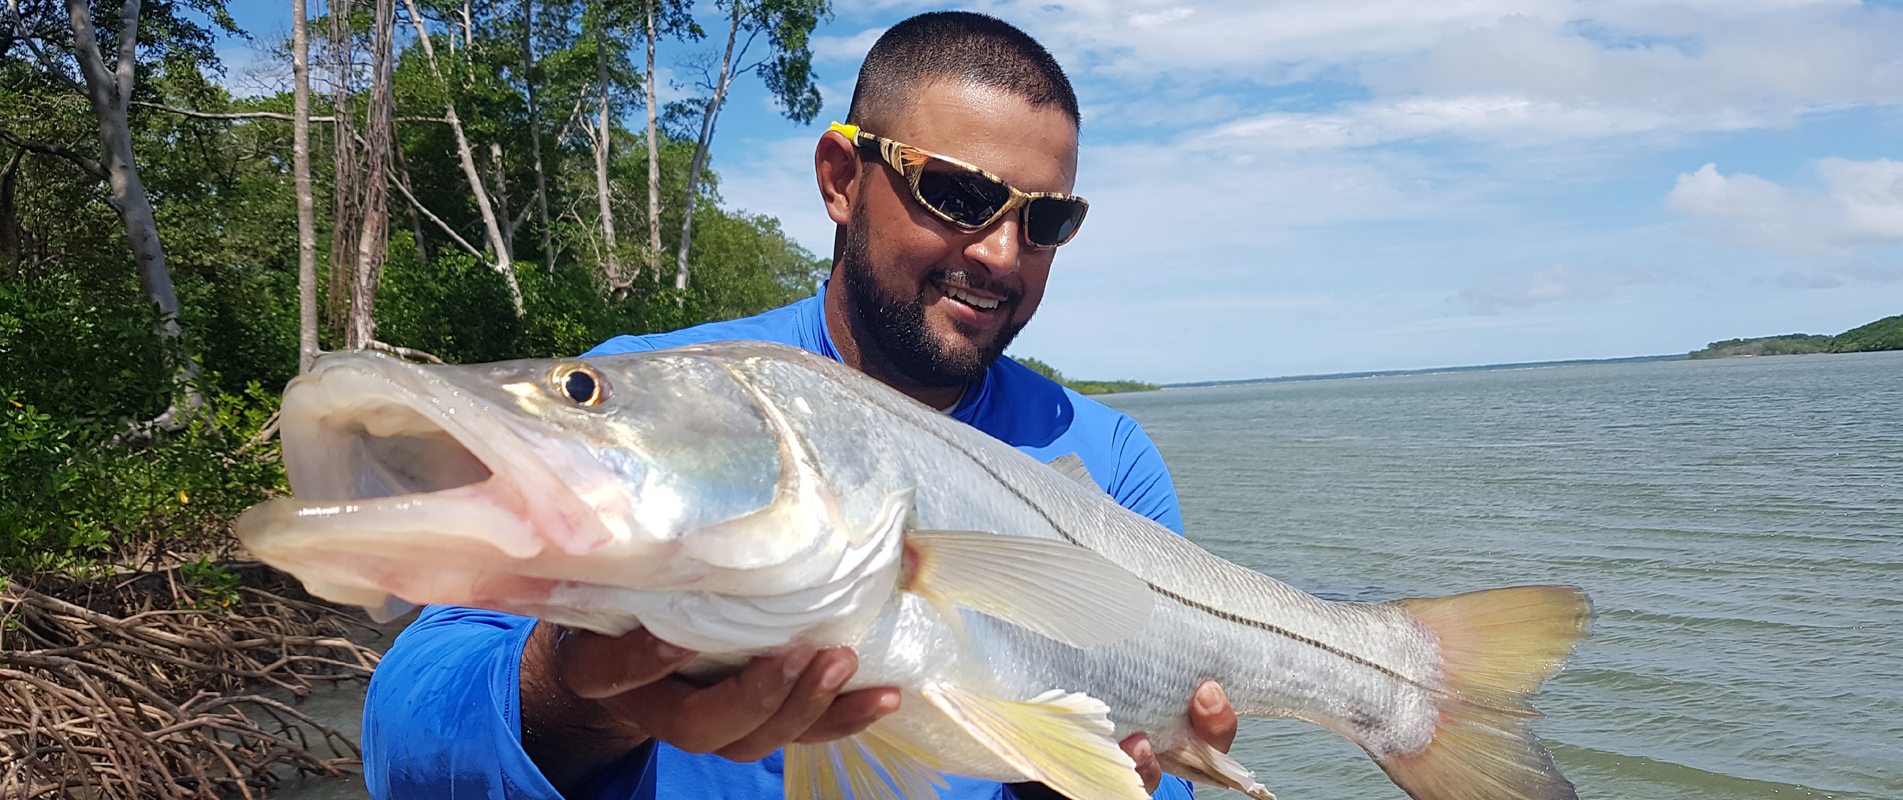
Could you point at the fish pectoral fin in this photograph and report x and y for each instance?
(1201, 762)
(1071, 465)
(1061, 590)
(1060, 739)
(871, 765)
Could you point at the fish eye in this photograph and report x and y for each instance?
(580, 383)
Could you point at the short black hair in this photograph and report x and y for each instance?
(960, 46)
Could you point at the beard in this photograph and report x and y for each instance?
(894, 320)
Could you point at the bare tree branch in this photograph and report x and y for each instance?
(418, 205)
(187, 112)
(92, 167)
(504, 263)
(402, 352)
(46, 60)
(259, 114)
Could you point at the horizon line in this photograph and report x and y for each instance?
(1423, 371)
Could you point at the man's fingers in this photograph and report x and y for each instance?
(702, 720)
(594, 666)
(1148, 768)
(810, 697)
(1211, 716)
(852, 713)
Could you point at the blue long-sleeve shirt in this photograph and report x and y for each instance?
(443, 716)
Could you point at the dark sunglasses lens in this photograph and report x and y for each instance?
(1051, 221)
(966, 197)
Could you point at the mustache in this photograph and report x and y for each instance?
(970, 280)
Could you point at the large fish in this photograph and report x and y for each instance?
(737, 497)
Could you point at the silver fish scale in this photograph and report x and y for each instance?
(1367, 672)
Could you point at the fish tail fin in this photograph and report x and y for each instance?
(1497, 646)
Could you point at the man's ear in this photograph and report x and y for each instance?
(836, 164)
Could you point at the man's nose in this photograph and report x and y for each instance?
(999, 246)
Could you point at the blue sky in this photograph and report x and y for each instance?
(1312, 186)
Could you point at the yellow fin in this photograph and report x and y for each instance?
(872, 765)
(1059, 739)
(1058, 589)
(1496, 648)
(1196, 760)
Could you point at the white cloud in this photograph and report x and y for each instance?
(1553, 284)
(1869, 195)
(846, 48)
(1152, 20)
(1859, 203)
(1498, 118)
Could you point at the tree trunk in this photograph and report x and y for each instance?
(654, 156)
(535, 132)
(509, 225)
(346, 218)
(503, 263)
(301, 174)
(109, 92)
(9, 218)
(416, 217)
(708, 117)
(373, 241)
(604, 135)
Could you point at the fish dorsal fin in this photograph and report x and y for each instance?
(1057, 589)
(1196, 760)
(1071, 465)
(1059, 739)
(870, 765)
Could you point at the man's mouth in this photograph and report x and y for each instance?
(969, 299)
(957, 285)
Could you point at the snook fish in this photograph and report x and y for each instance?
(737, 497)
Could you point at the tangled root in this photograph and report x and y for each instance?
(161, 701)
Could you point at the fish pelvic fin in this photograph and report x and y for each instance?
(1201, 762)
(1060, 739)
(1060, 590)
(1497, 646)
(870, 765)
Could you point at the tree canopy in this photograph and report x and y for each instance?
(84, 358)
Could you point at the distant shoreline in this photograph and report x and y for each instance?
(1384, 373)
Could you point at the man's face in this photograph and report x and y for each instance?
(940, 304)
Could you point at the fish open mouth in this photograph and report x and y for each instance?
(390, 450)
(407, 487)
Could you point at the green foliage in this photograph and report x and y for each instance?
(1084, 387)
(72, 493)
(81, 365)
(217, 587)
(1788, 344)
(1884, 334)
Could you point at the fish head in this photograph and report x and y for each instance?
(527, 485)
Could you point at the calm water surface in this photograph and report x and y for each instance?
(1738, 523)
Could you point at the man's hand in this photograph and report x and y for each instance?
(588, 700)
(1210, 718)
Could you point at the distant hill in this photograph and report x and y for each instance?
(1884, 334)
(1084, 387)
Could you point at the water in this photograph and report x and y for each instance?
(1738, 523)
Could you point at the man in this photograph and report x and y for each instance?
(937, 265)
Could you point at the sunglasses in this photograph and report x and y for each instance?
(970, 198)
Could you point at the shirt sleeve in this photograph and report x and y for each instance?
(1142, 482)
(443, 713)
